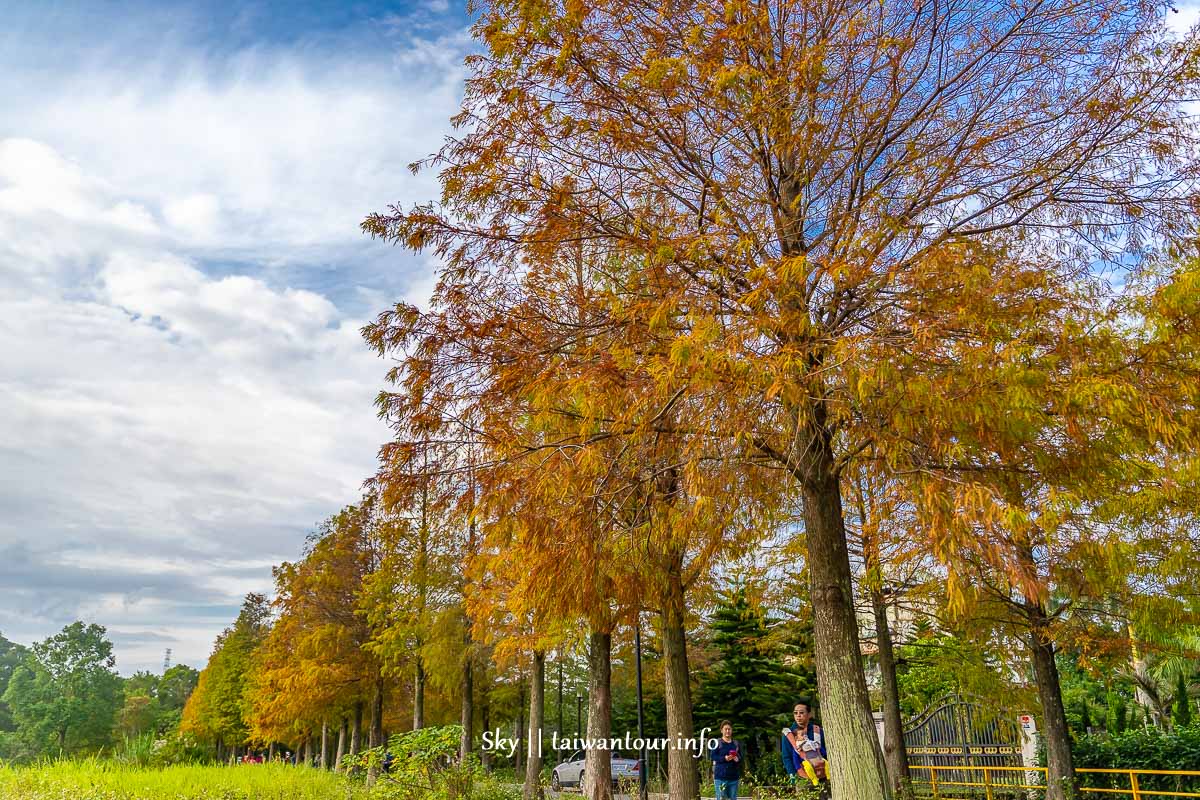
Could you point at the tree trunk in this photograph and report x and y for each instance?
(356, 729)
(895, 755)
(376, 735)
(341, 748)
(1151, 711)
(419, 694)
(485, 715)
(597, 767)
(308, 754)
(271, 752)
(537, 711)
(467, 744)
(324, 745)
(856, 767)
(521, 734)
(683, 780)
(422, 569)
(467, 714)
(1060, 767)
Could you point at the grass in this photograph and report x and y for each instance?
(105, 780)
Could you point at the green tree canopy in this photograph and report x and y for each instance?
(64, 698)
(11, 656)
(176, 685)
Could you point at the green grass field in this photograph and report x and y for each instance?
(102, 780)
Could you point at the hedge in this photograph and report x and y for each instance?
(1151, 749)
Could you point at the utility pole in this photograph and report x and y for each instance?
(642, 769)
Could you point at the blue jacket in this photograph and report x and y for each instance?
(793, 762)
(726, 770)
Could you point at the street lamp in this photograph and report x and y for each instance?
(578, 715)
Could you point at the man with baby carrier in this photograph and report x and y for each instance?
(802, 747)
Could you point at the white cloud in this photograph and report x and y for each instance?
(173, 411)
(213, 312)
(173, 398)
(184, 392)
(258, 151)
(196, 215)
(1183, 18)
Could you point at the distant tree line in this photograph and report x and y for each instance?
(63, 697)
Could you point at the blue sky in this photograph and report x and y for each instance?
(183, 390)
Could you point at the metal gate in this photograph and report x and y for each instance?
(959, 733)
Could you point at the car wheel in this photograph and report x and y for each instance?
(555, 783)
(580, 784)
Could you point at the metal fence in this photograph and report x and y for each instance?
(956, 737)
(993, 782)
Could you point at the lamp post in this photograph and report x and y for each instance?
(578, 715)
(560, 701)
(637, 646)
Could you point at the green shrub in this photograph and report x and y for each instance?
(493, 788)
(178, 748)
(423, 765)
(1151, 749)
(768, 770)
(136, 751)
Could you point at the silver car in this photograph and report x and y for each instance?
(570, 772)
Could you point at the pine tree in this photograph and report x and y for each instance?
(1183, 707)
(1116, 721)
(755, 680)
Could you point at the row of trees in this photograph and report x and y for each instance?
(891, 304)
(323, 663)
(309, 674)
(902, 285)
(281, 680)
(63, 697)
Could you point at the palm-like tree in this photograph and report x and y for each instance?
(1166, 673)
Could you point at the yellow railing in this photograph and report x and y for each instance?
(990, 786)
